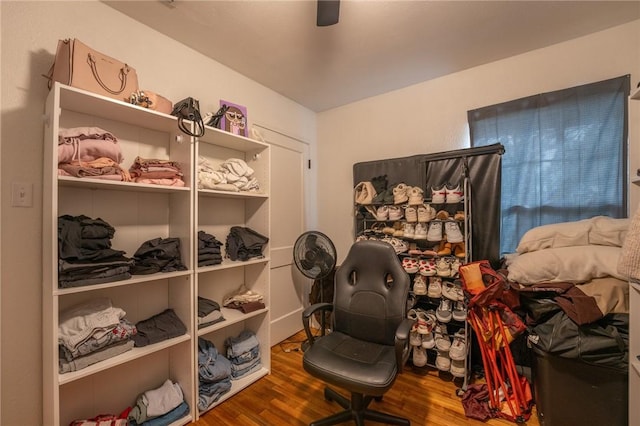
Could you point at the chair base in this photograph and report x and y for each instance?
(356, 410)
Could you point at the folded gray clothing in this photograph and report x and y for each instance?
(163, 326)
(211, 316)
(157, 402)
(101, 272)
(208, 323)
(87, 265)
(206, 306)
(79, 363)
(94, 281)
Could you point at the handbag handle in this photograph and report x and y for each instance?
(123, 75)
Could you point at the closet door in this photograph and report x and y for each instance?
(289, 288)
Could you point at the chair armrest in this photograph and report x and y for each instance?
(402, 342)
(308, 312)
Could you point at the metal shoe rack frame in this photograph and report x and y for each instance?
(363, 222)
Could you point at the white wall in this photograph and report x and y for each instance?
(29, 34)
(423, 118)
(432, 116)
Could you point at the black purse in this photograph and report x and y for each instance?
(189, 109)
(213, 120)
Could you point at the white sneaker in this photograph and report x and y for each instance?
(443, 268)
(435, 231)
(409, 230)
(419, 356)
(421, 231)
(400, 194)
(382, 213)
(443, 343)
(428, 342)
(438, 194)
(457, 368)
(415, 338)
(411, 214)
(443, 313)
(455, 266)
(426, 213)
(451, 291)
(395, 213)
(458, 349)
(459, 311)
(416, 196)
(435, 287)
(443, 362)
(419, 285)
(453, 194)
(452, 231)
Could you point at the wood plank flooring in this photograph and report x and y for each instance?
(290, 396)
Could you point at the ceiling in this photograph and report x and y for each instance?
(376, 47)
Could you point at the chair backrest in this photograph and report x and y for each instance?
(370, 294)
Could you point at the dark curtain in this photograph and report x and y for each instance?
(565, 155)
(483, 167)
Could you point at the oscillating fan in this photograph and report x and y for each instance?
(315, 257)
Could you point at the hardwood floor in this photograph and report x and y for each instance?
(290, 396)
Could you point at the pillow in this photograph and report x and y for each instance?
(607, 231)
(598, 230)
(565, 264)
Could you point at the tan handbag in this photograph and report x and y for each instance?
(364, 193)
(151, 100)
(78, 65)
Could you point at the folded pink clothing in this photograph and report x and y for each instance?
(138, 174)
(89, 150)
(99, 167)
(81, 133)
(165, 182)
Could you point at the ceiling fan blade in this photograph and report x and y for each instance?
(328, 12)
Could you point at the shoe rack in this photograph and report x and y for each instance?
(431, 261)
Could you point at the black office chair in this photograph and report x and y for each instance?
(369, 339)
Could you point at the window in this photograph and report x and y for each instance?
(565, 155)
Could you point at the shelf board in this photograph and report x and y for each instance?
(230, 194)
(136, 279)
(231, 316)
(636, 366)
(636, 94)
(78, 100)
(88, 183)
(227, 264)
(225, 139)
(134, 353)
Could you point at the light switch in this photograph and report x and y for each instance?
(21, 194)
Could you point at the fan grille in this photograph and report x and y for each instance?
(314, 254)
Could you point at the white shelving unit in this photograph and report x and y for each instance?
(140, 212)
(215, 213)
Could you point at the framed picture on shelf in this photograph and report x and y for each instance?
(234, 119)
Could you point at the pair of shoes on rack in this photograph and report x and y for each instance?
(449, 309)
(427, 267)
(445, 267)
(386, 212)
(451, 232)
(403, 193)
(446, 194)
